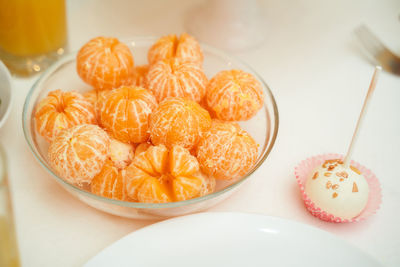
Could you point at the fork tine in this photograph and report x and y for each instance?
(380, 53)
(369, 40)
(367, 35)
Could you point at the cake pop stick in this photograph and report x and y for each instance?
(362, 115)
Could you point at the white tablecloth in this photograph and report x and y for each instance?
(315, 69)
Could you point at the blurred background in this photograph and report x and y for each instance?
(308, 54)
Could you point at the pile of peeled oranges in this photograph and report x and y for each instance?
(154, 133)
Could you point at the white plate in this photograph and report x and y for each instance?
(5, 93)
(230, 239)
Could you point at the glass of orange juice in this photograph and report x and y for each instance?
(8, 243)
(33, 34)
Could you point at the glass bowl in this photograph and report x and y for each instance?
(62, 75)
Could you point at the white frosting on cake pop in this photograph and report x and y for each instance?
(337, 190)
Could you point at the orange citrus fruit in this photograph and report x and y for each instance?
(78, 153)
(142, 148)
(60, 110)
(226, 151)
(139, 76)
(177, 78)
(105, 63)
(159, 175)
(185, 47)
(125, 113)
(91, 96)
(97, 98)
(234, 95)
(178, 121)
(111, 180)
(121, 154)
(102, 96)
(208, 186)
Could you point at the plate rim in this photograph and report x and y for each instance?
(207, 215)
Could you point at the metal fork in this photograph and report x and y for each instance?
(384, 57)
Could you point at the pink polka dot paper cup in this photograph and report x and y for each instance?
(305, 167)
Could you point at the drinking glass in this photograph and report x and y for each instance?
(33, 34)
(8, 243)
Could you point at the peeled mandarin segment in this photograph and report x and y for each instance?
(105, 63)
(142, 162)
(139, 76)
(226, 151)
(135, 178)
(61, 110)
(81, 148)
(97, 99)
(78, 153)
(182, 163)
(186, 47)
(141, 148)
(121, 154)
(178, 121)
(153, 161)
(125, 113)
(152, 191)
(186, 187)
(208, 185)
(177, 78)
(163, 48)
(157, 156)
(110, 182)
(91, 96)
(102, 97)
(150, 179)
(234, 95)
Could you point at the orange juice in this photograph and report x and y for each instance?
(8, 243)
(8, 249)
(31, 28)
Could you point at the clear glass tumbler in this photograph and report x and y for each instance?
(33, 34)
(8, 243)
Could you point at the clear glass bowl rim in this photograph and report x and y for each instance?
(71, 56)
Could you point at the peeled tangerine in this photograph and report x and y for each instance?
(91, 96)
(139, 76)
(142, 148)
(111, 180)
(77, 154)
(234, 95)
(61, 110)
(226, 151)
(178, 121)
(121, 154)
(97, 99)
(170, 46)
(159, 175)
(177, 78)
(342, 192)
(125, 112)
(105, 63)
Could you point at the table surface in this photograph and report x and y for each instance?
(319, 77)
